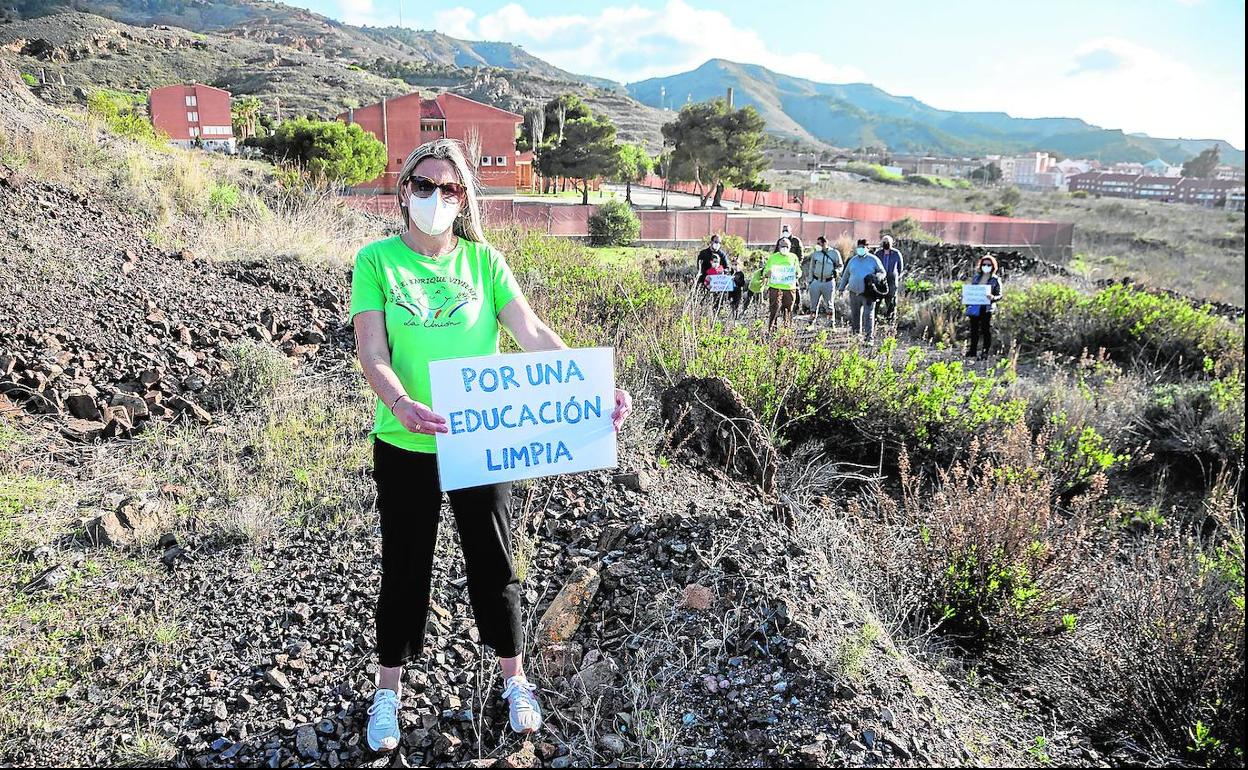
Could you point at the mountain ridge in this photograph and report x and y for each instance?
(859, 114)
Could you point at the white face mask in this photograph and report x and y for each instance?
(985, 269)
(432, 215)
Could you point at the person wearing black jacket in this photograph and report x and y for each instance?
(981, 315)
(710, 254)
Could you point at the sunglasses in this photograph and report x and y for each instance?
(423, 187)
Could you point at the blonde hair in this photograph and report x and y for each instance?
(468, 223)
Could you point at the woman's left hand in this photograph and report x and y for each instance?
(623, 407)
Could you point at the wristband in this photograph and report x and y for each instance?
(396, 401)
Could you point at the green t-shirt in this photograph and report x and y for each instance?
(782, 269)
(756, 280)
(435, 308)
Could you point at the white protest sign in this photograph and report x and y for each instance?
(523, 415)
(784, 274)
(975, 293)
(722, 282)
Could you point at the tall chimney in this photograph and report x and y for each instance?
(730, 97)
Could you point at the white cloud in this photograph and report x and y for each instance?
(1113, 83)
(456, 22)
(629, 43)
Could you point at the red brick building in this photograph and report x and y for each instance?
(408, 121)
(187, 113)
(1210, 193)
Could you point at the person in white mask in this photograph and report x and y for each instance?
(436, 291)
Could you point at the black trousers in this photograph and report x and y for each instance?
(409, 501)
(981, 326)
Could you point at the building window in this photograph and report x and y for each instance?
(485, 160)
(194, 132)
(192, 117)
(501, 160)
(190, 101)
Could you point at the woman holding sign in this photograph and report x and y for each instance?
(981, 314)
(781, 271)
(438, 291)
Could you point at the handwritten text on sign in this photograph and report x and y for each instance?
(722, 282)
(784, 275)
(523, 415)
(975, 293)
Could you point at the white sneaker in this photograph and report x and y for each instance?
(383, 721)
(526, 712)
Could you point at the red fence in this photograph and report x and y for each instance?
(758, 227)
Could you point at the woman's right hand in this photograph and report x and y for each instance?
(418, 418)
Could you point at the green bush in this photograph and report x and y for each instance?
(614, 224)
(30, 79)
(873, 171)
(223, 199)
(851, 398)
(1130, 324)
(326, 150)
(1079, 194)
(123, 114)
(587, 301)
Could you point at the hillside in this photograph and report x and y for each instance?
(274, 22)
(814, 552)
(310, 69)
(857, 114)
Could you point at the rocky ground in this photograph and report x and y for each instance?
(672, 622)
(108, 331)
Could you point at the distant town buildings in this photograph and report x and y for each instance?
(1154, 180)
(193, 115)
(1210, 193)
(489, 133)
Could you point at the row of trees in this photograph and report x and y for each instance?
(709, 144)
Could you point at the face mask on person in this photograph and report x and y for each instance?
(714, 245)
(985, 269)
(432, 215)
(862, 251)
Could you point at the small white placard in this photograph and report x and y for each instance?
(721, 282)
(523, 415)
(784, 274)
(975, 293)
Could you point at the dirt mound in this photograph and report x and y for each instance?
(707, 419)
(957, 261)
(106, 331)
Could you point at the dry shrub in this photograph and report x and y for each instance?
(1159, 647)
(988, 549)
(314, 226)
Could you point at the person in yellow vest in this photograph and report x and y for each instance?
(781, 270)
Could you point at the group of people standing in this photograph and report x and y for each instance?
(868, 277)
(872, 279)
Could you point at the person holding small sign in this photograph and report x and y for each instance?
(982, 303)
(781, 270)
(438, 291)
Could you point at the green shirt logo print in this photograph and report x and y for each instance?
(436, 308)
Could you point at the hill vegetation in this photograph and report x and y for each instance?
(815, 553)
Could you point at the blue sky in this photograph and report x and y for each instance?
(1163, 67)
